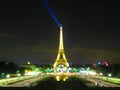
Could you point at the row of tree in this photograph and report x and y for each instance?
(11, 68)
(8, 67)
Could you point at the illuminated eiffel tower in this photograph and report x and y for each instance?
(61, 59)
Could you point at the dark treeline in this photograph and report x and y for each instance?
(8, 67)
(12, 68)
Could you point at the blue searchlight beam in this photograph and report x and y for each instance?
(51, 12)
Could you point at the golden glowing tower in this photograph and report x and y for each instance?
(61, 59)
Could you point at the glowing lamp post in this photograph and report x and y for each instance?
(109, 75)
(18, 75)
(101, 75)
(8, 76)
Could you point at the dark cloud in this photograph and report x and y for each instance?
(86, 55)
(7, 35)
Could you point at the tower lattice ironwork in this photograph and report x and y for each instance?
(61, 59)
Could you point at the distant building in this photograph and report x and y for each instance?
(28, 66)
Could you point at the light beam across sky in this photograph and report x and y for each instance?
(51, 12)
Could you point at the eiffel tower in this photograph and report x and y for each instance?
(61, 59)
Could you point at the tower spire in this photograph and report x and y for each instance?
(61, 39)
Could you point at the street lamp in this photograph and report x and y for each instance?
(109, 75)
(18, 75)
(101, 75)
(8, 76)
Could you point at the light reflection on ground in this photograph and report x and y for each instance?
(61, 77)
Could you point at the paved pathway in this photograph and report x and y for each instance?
(25, 83)
(101, 83)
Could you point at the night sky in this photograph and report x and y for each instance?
(28, 32)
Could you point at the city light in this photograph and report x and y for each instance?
(92, 73)
(18, 75)
(101, 74)
(109, 74)
(58, 78)
(106, 63)
(8, 76)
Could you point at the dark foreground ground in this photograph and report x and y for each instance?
(72, 83)
(50, 83)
